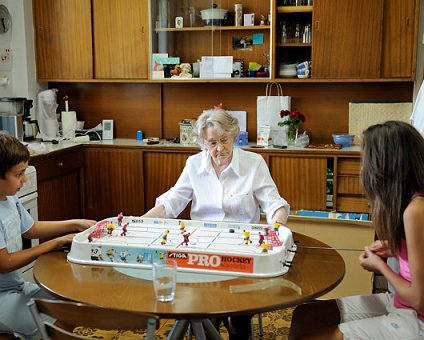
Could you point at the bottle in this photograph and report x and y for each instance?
(306, 39)
(297, 33)
(284, 33)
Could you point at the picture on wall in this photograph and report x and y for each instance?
(243, 43)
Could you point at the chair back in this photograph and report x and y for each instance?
(69, 315)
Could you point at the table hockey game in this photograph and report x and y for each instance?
(225, 248)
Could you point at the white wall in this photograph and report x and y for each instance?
(20, 39)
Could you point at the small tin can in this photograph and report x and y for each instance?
(186, 132)
(139, 135)
(238, 15)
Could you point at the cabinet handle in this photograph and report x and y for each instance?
(316, 25)
(408, 20)
(60, 164)
(142, 29)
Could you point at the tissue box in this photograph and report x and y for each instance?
(242, 138)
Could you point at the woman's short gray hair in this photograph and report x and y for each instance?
(218, 119)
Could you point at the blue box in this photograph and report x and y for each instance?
(242, 138)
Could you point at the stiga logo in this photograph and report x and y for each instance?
(177, 255)
(203, 261)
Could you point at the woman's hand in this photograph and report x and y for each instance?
(370, 261)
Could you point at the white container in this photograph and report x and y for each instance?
(238, 15)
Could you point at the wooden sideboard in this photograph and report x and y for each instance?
(96, 181)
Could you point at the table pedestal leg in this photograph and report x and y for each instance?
(199, 327)
(178, 330)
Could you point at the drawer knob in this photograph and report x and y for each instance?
(60, 164)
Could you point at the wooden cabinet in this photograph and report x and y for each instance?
(349, 238)
(67, 31)
(121, 38)
(161, 171)
(63, 39)
(399, 35)
(113, 182)
(302, 181)
(346, 38)
(294, 36)
(348, 193)
(60, 179)
(196, 39)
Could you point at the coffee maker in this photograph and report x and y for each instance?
(12, 115)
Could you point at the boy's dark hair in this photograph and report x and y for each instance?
(12, 152)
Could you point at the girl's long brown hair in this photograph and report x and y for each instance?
(392, 171)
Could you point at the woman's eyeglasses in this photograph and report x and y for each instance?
(212, 144)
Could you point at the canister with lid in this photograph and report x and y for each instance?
(238, 15)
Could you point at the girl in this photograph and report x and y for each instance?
(393, 180)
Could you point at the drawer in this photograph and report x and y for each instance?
(348, 166)
(352, 204)
(349, 185)
(59, 165)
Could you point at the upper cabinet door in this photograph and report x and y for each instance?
(399, 38)
(346, 38)
(121, 33)
(63, 39)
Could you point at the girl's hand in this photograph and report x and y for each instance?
(370, 261)
(82, 224)
(380, 248)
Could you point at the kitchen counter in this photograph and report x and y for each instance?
(39, 148)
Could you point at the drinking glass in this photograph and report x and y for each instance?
(164, 280)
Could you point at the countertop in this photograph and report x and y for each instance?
(38, 148)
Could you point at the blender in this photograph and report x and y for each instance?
(11, 116)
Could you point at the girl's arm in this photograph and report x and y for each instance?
(47, 229)
(413, 292)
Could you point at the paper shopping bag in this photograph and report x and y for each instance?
(268, 108)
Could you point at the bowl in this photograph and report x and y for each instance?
(344, 139)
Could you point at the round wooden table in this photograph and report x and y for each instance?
(315, 270)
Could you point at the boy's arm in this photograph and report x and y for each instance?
(48, 229)
(16, 260)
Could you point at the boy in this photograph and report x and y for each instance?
(16, 222)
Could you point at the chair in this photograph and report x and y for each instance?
(69, 315)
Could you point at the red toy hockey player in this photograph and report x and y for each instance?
(120, 218)
(261, 238)
(124, 229)
(186, 238)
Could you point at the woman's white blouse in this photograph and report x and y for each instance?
(243, 188)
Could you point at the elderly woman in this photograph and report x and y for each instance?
(224, 184)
